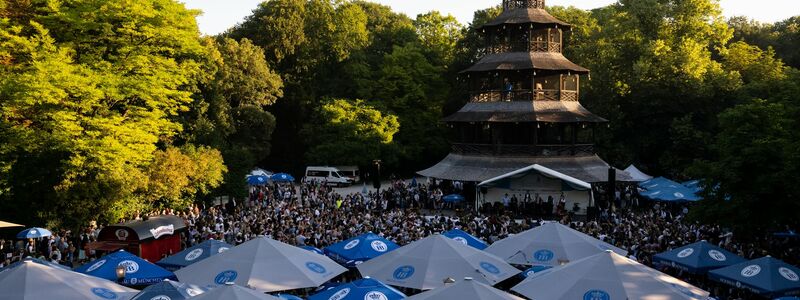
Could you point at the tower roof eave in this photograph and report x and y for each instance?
(524, 16)
(526, 61)
(525, 111)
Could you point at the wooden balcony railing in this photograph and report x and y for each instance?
(532, 46)
(523, 95)
(523, 150)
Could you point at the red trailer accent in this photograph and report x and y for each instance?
(150, 239)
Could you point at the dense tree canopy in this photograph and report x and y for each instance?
(115, 107)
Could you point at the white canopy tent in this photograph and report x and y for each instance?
(636, 174)
(538, 179)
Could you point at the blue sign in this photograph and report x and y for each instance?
(104, 293)
(403, 272)
(488, 267)
(543, 255)
(596, 295)
(226, 276)
(315, 267)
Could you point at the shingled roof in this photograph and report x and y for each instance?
(526, 61)
(476, 168)
(524, 111)
(525, 16)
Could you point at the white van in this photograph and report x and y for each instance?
(327, 175)
(351, 172)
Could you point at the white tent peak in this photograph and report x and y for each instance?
(637, 174)
(542, 170)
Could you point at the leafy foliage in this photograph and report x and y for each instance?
(345, 132)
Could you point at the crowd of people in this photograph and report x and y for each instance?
(317, 215)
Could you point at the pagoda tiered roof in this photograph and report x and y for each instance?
(525, 111)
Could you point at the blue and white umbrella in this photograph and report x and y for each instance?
(466, 238)
(282, 177)
(697, 258)
(765, 276)
(169, 289)
(257, 180)
(452, 198)
(606, 275)
(359, 249)
(362, 289)
(425, 263)
(30, 279)
(193, 254)
(551, 244)
(138, 272)
(34, 233)
(263, 264)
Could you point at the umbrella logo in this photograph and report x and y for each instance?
(596, 295)
(543, 255)
(751, 270)
(222, 249)
(340, 294)
(130, 266)
(716, 255)
(352, 244)
(788, 274)
(488, 267)
(461, 239)
(379, 246)
(34, 232)
(685, 252)
(161, 297)
(315, 267)
(403, 272)
(375, 296)
(104, 293)
(226, 276)
(678, 194)
(194, 254)
(96, 265)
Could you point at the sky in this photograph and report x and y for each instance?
(219, 15)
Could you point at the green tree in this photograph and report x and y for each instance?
(439, 35)
(178, 175)
(91, 89)
(756, 163)
(346, 132)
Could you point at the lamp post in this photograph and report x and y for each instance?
(120, 273)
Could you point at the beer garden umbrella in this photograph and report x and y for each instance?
(138, 272)
(765, 276)
(34, 233)
(606, 275)
(230, 291)
(425, 263)
(362, 289)
(467, 289)
(31, 280)
(193, 254)
(359, 249)
(263, 264)
(697, 258)
(169, 289)
(551, 244)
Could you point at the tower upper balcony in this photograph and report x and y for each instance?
(516, 4)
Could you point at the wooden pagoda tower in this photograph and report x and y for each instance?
(523, 107)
